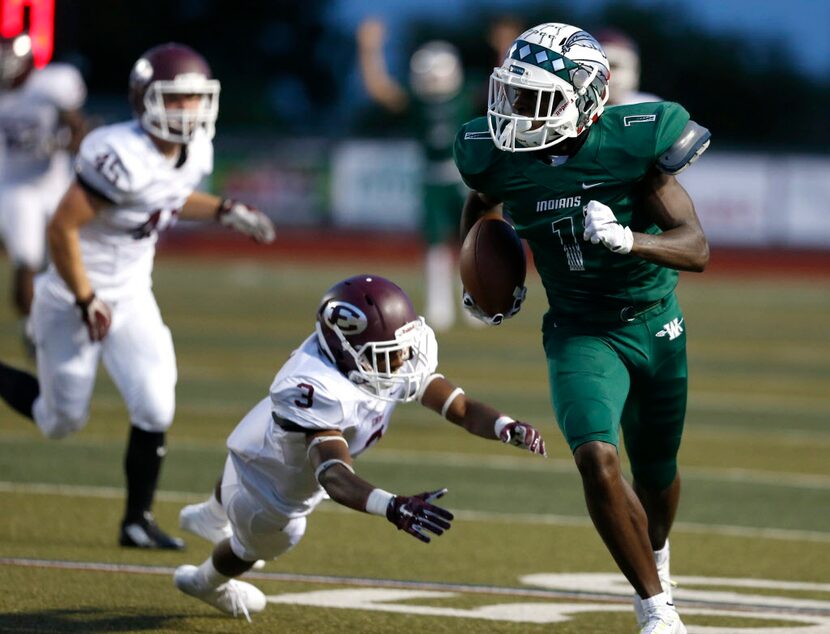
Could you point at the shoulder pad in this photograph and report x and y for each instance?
(691, 143)
(111, 161)
(307, 402)
(61, 84)
(474, 150)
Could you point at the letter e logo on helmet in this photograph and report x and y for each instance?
(347, 318)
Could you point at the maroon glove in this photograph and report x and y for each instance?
(414, 513)
(97, 316)
(521, 435)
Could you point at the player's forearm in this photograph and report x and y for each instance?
(201, 206)
(65, 252)
(476, 206)
(682, 248)
(345, 487)
(449, 401)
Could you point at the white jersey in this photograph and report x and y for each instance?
(146, 190)
(308, 394)
(32, 134)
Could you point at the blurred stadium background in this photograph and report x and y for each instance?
(297, 136)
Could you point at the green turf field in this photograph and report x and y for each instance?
(751, 548)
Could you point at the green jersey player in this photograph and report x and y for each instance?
(593, 192)
(436, 103)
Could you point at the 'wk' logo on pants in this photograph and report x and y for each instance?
(673, 329)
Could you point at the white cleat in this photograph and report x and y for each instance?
(232, 597)
(199, 520)
(664, 621)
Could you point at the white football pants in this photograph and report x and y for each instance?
(137, 352)
(25, 209)
(259, 531)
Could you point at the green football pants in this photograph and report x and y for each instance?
(629, 375)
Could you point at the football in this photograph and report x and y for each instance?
(492, 265)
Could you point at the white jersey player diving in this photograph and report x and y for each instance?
(95, 301)
(332, 400)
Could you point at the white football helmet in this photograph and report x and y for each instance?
(552, 85)
(435, 71)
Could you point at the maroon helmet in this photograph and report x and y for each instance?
(157, 77)
(369, 327)
(16, 60)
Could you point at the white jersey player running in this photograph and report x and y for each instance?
(95, 301)
(331, 401)
(40, 124)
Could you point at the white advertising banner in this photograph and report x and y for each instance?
(377, 184)
(762, 199)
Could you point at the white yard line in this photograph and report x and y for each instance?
(474, 516)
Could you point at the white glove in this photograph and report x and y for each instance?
(246, 219)
(97, 315)
(601, 225)
(519, 294)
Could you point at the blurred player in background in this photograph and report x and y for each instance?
(95, 301)
(594, 193)
(624, 61)
(331, 400)
(40, 125)
(436, 104)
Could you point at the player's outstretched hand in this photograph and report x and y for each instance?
(522, 435)
(97, 315)
(247, 219)
(415, 514)
(601, 225)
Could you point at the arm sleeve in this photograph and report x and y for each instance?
(307, 403)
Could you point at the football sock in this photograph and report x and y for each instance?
(142, 464)
(440, 296)
(209, 576)
(19, 389)
(657, 601)
(661, 557)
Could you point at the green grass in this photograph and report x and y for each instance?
(756, 501)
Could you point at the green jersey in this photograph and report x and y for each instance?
(545, 201)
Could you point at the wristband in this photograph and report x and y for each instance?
(501, 423)
(224, 206)
(378, 502)
(453, 395)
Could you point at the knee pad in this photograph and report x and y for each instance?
(59, 422)
(154, 412)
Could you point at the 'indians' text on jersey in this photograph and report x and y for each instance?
(545, 201)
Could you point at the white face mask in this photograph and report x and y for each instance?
(179, 125)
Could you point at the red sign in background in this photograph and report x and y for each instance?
(41, 25)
